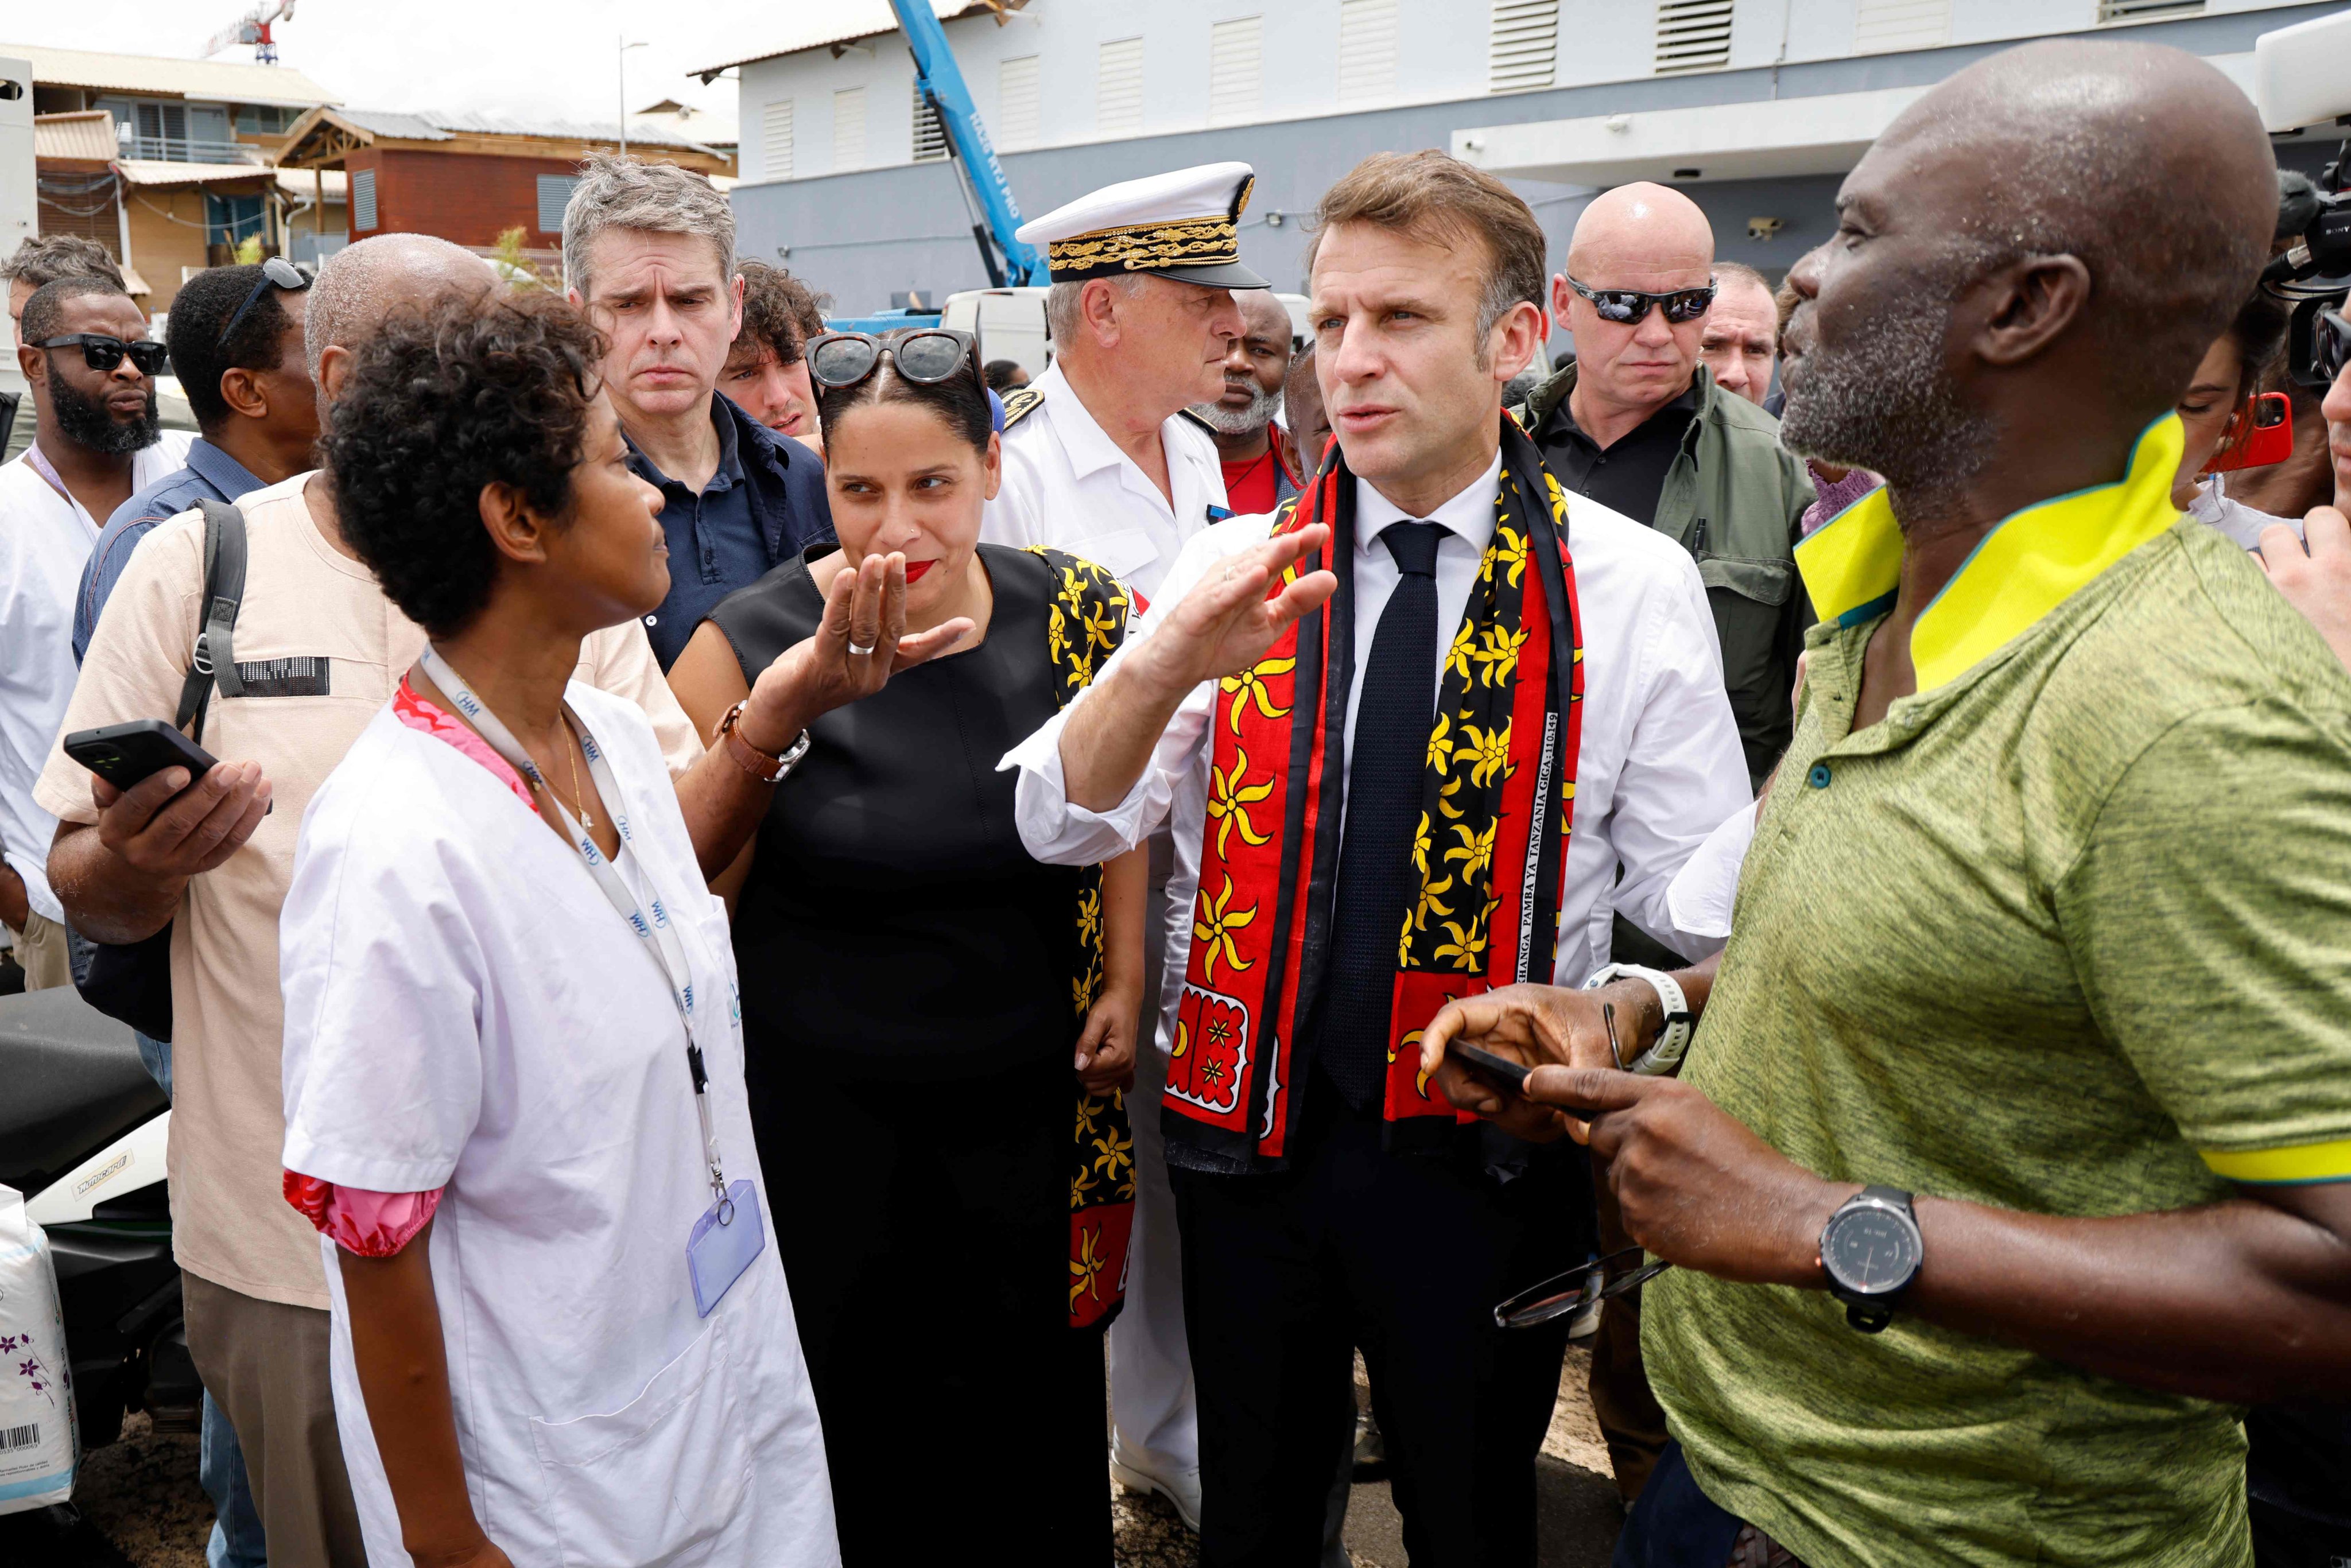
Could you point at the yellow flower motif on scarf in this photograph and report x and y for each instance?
(1500, 655)
(1424, 904)
(1102, 624)
(1230, 799)
(1080, 1185)
(1440, 744)
(1487, 752)
(1476, 850)
(1081, 990)
(1444, 794)
(1412, 1042)
(1507, 555)
(1090, 1107)
(1250, 682)
(1467, 946)
(1464, 649)
(1117, 1151)
(1057, 636)
(1090, 916)
(1215, 925)
(1420, 845)
(1086, 1266)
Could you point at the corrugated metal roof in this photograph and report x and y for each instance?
(842, 22)
(297, 183)
(86, 134)
(433, 125)
(222, 82)
(148, 171)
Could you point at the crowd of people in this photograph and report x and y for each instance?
(769, 891)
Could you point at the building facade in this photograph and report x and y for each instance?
(845, 178)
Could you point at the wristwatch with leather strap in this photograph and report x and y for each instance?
(766, 766)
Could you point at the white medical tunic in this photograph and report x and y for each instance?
(1067, 485)
(465, 1011)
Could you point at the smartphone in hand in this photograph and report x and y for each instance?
(125, 753)
(1499, 1073)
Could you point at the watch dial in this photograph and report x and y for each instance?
(1870, 1249)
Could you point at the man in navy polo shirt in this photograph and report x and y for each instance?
(649, 252)
(236, 337)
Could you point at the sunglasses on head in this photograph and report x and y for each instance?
(276, 272)
(926, 355)
(1628, 306)
(101, 352)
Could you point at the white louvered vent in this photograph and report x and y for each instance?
(1118, 87)
(1016, 102)
(554, 195)
(1367, 49)
(1883, 26)
(363, 200)
(1693, 36)
(1523, 49)
(2146, 10)
(848, 129)
(930, 135)
(776, 140)
(1235, 70)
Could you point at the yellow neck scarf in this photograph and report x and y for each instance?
(2030, 563)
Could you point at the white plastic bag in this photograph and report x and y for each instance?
(40, 1436)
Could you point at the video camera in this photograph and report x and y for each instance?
(2301, 76)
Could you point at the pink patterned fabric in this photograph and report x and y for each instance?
(1836, 495)
(369, 1224)
(437, 721)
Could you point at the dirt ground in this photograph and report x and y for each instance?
(142, 1507)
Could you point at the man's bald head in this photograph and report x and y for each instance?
(1640, 225)
(1263, 316)
(2065, 224)
(364, 283)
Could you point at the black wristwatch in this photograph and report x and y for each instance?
(1871, 1250)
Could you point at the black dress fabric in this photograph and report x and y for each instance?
(907, 977)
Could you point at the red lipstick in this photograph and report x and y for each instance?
(915, 569)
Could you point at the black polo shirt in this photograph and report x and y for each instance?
(1628, 475)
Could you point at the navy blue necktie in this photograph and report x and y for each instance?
(1386, 765)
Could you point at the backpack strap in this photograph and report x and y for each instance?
(215, 657)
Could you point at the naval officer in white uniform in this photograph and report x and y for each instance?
(1101, 460)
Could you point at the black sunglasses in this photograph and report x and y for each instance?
(1563, 1293)
(101, 352)
(277, 270)
(2332, 347)
(926, 355)
(1626, 306)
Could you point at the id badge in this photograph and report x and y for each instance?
(728, 1236)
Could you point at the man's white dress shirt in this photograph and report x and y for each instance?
(46, 537)
(1067, 485)
(1659, 768)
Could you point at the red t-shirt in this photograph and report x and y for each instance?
(1250, 486)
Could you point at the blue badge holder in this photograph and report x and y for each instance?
(726, 1239)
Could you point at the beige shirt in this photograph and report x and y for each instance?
(303, 600)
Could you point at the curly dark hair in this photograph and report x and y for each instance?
(467, 391)
(199, 358)
(779, 313)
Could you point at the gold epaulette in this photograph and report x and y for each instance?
(1019, 403)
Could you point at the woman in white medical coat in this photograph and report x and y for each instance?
(514, 1060)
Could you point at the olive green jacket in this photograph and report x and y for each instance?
(1733, 498)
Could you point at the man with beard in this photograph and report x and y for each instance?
(83, 348)
(44, 259)
(2013, 1154)
(1241, 422)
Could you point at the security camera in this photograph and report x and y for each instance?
(1763, 228)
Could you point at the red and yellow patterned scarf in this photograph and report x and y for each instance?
(1497, 804)
(1083, 625)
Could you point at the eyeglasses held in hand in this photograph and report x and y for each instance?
(1563, 1293)
(926, 356)
(101, 352)
(1628, 306)
(276, 272)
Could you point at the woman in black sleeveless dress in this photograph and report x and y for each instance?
(936, 1027)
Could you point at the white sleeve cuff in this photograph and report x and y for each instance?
(1055, 830)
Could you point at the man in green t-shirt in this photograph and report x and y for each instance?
(2013, 1151)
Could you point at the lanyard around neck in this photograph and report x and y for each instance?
(654, 930)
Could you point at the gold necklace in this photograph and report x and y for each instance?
(571, 756)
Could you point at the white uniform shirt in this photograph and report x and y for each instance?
(1067, 485)
(46, 538)
(464, 1008)
(1659, 768)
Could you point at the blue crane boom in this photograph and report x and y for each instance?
(940, 81)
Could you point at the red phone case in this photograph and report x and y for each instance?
(2260, 434)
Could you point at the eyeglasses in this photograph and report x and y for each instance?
(277, 270)
(1563, 1293)
(2332, 347)
(1628, 306)
(101, 352)
(927, 356)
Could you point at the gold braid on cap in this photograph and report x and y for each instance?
(1138, 247)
